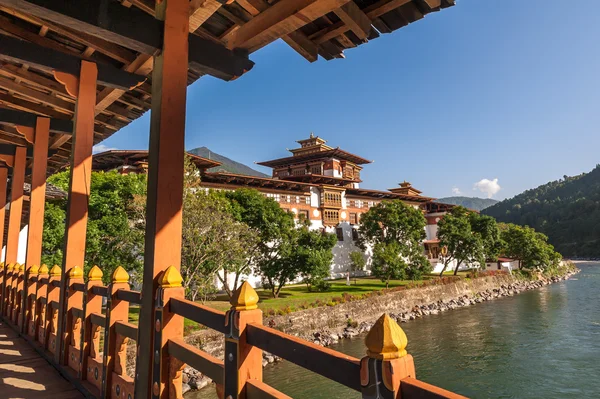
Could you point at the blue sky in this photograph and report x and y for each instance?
(506, 90)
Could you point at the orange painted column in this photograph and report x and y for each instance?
(37, 202)
(165, 176)
(79, 189)
(16, 205)
(3, 183)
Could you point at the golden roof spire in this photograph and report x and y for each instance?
(386, 340)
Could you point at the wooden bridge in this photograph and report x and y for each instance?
(74, 72)
(93, 357)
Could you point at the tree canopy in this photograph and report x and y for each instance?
(468, 237)
(394, 231)
(528, 246)
(111, 238)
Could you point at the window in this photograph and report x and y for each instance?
(354, 234)
(340, 234)
(315, 170)
(353, 219)
(331, 217)
(303, 214)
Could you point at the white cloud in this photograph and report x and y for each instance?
(456, 191)
(98, 148)
(488, 187)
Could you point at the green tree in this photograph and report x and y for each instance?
(467, 237)
(395, 231)
(276, 233)
(111, 238)
(311, 256)
(529, 247)
(357, 263)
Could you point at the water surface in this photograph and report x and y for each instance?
(543, 343)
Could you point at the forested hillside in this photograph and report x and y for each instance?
(477, 204)
(566, 210)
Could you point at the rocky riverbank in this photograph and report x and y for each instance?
(328, 325)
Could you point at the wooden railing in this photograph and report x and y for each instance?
(94, 354)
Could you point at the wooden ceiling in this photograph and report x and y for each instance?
(229, 28)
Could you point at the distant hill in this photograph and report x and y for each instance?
(227, 165)
(477, 204)
(566, 210)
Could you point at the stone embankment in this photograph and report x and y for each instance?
(328, 325)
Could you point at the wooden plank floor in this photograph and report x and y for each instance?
(25, 374)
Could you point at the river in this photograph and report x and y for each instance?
(543, 343)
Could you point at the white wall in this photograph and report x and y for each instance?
(22, 253)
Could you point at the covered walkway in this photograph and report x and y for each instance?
(24, 373)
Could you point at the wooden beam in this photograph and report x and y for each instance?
(47, 60)
(36, 95)
(165, 186)
(283, 18)
(303, 45)
(200, 11)
(3, 184)
(27, 119)
(16, 206)
(355, 19)
(120, 25)
(28, 106)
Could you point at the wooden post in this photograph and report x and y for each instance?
(31, 301)
(165, 174)
(167, 377)
(37, 201)
(79, 186)
(3, 183)
(41, 294)
(243, 362)
(387, 362)
(16, 205)
(116, 310)
(72, 331)
(93, 304)
(6, 306)
(51, 317)
(18, 295)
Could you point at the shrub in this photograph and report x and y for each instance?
(351, 323)
(322, 286)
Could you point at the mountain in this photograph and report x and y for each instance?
(477, 204)
(227, 165)
(566, 210)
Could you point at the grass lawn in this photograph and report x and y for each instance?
(297, 297)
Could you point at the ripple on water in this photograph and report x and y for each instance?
(540, 344)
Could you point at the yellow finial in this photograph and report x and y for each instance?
(55, 271)
(386, 340)
(75, 272)
(21, 268)
(95, 274)
(120, 275)
(9, 267)
(34, 270)
(171, 278)
(245, 298)
(44, 269)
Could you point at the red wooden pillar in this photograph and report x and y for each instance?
(79, 185)
(37, 203)
(165, 175)
(16, 205)
(3, 183)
